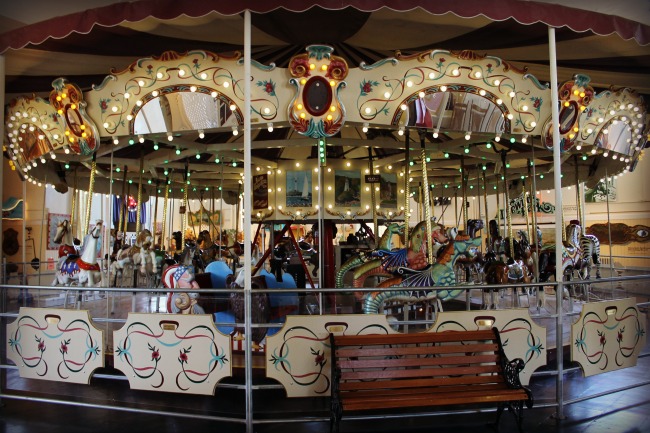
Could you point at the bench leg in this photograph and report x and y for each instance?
(500, 407)
(517, 409)
(335, 417)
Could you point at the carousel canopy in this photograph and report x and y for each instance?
(608, 44)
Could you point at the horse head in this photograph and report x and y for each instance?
(144, 240)
(493, 228)
(474, 225)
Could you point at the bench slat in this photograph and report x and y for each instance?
(413, 383)
(376, 393)
(417, 362)
(347, 352)
(423, 337)
(445, 371)
(433, 400)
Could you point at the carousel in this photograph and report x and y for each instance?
(422, 158)
(237, 189)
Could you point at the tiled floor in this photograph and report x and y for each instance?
(623, 412)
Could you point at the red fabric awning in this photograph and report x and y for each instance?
(524, 12)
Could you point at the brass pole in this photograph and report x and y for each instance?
(91, 188)
(463, 184)
(126, 210)
(139, 208)
(427, 204)
(373, 196)
(487, 214)
(123, 206)
(74, 202)
(407, 189)
(155, 215)
(507, 205)
(164, 217)
(578, 198)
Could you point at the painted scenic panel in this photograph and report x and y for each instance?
(299, 188)
(260, 191)
(598, 194)
(388, 190)
(347, 188)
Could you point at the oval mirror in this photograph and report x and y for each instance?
(568, 116)
(317, 96)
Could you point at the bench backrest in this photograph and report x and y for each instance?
(393, 361)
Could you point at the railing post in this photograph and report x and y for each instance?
(557, 180)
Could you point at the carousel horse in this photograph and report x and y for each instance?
(473, 226)
(495, 271)
(184, 301)
(571, 255)
(308, 250)
(260, 308)
(84, 269)
(441, 273)
(572, 258)
(207, 251)
(140, 254)
(68, 245)
(590, 246)
(373, 259)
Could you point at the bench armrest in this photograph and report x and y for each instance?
(511, 370)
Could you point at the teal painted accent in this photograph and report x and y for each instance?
(320, 52)
(582, 80)
(258, 65)
(535, 81)
(365, 67)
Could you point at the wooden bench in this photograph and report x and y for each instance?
(397, 371)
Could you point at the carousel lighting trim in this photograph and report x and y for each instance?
(365, 127)
(235, 130)
(436, 132)
(443, 88)
(270, 127)
(524, 139)
(468, 135)
(201, 134)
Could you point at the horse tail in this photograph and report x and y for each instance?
(350, 263)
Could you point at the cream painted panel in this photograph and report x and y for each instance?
(520, 336)
(172, 352)
(299, 357)
(55, 344)
(608, 336)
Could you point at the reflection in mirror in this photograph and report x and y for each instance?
(183, 111)
(618, 138)
(456, 111)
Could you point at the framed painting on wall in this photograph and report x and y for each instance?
(53, 220)
(298, 188)
(598, 194)
(347, 188)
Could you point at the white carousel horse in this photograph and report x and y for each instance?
(83, 270)
(63, 236)
(141, 254)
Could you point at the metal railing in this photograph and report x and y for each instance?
(587, 290)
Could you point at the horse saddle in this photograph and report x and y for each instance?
(71, 258)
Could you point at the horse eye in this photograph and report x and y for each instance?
(642, 233)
